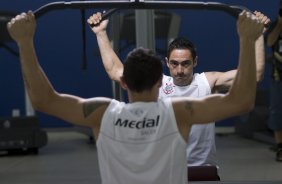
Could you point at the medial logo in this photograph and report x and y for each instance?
(145, 123)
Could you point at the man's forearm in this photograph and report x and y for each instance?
(244, 86)
(37, 84)
(111, 62)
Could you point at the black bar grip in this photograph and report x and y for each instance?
(106, 15)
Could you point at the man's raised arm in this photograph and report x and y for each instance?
(111, 62)
(241, 97)
(41, 92)
(222, 81)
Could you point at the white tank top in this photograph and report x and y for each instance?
(140, 143)
(201, 148)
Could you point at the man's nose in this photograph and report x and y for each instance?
(180, 69)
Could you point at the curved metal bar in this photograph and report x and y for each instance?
(138, 4)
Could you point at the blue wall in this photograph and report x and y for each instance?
(59, 47)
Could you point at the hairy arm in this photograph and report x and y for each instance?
(222, 81)
(240, 98)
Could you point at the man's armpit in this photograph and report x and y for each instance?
(222, 89)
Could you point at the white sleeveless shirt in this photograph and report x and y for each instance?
(201, 148)
(140, 143)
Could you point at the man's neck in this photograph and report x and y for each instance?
(145, 96)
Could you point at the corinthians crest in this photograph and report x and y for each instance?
(168, 88)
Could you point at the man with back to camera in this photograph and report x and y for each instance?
(181, 60)
(137, 141)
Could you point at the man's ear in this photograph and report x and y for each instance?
(195, 61)
(166, 61)
(123, 84)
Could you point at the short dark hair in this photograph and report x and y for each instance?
(142, 69)
(182, 43)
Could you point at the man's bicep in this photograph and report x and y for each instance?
(223, 81)
(76, 110)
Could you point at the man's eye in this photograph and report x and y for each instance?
(174, 63)
(185, 64)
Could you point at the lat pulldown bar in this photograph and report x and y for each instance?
(139, 4)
